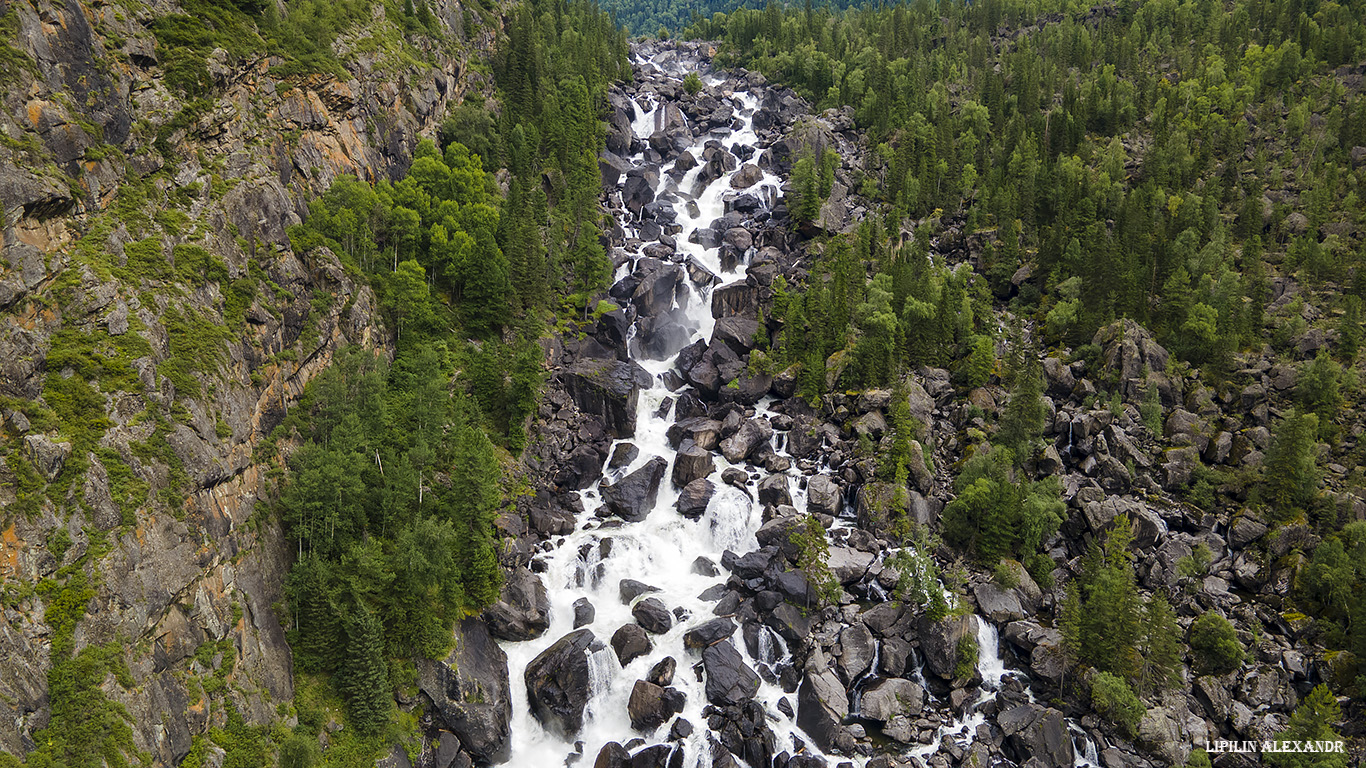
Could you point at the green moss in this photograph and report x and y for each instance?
(173, 221)
(28, 486)
(58, 542)
(197, 266)
(145, 259)
(197, 346)
(128, 490)
(97, 356)
(87, 729)
(157, 448)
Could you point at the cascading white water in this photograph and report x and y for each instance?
(661, 549)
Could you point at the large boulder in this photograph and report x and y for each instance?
(1035, 731)
(857, 651)
(48, 457)
(998, 604)
(730, 681)
(694, 498)
(522, 611)
(890, 698)
(823, 496)
(705, 433)
(1128, 351)
(651, 614)
(607, 389)
(735, 332)
(691, 463)
(630, 642)
(939, 642)
(651, 706)
(752, 435)
(773, 491)
(470, 692)
(738, 298)
(634, 496)
(558, 683)
(822, 705)
(709, 633)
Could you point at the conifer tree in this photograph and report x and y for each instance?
(1315, 719)
(1291, 475)
(474, 502)
(365, 676)
(1159, 647)
(1023, 421)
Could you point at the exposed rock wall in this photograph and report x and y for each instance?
(97, 154)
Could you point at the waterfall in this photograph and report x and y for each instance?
(661, 549)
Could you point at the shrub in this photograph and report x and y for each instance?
(1113, 700)
(692, 84)
(968, 653)
(1005, 575)
(1215, 644)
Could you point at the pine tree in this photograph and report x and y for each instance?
(1159, 647)
(474, 503)
(1315, 719)
(1023, 421)
(365, 677)
(1291, 475)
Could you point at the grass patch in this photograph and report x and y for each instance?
(128, 491)
(197, 346)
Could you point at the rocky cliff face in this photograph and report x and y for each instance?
(155, 326)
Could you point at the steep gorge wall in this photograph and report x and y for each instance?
(145, 252)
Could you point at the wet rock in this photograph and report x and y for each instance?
(629, 589)
(662, 673)
(692, 463)
(680, 730)
(557, 683)
(523, 609)
(822, 705)
(651, 706)
(748, 175)
(613, 755)
(729, 680)
(630, 643)
(753, 434)
(773, 491)
(1034, 731)
(738, 298)
(708, 633)
(470, 692)
(702, 431)
(608, 389)
(633, 497)
(584, 612)
(694, 498)
(639, 189)
(658, 756)
(623, 455)
(823, 496)
(939, 642)
(651, 614)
